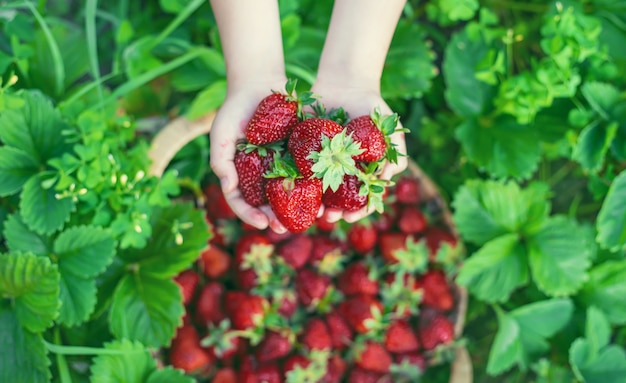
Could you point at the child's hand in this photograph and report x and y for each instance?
(228, 128)
(357, 102)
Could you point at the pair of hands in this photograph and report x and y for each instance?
(230, 123)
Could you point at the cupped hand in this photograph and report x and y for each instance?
(226, 132)
(357, 102)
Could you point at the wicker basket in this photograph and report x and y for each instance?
(169, 140)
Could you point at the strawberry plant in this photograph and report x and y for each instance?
(516, 110)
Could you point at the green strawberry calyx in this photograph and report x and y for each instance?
(335, 160)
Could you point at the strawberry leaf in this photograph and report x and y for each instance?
(129, 362)
(32, 284)
(611, 222)
(606, 290)
(16, 167)
(523, 333)
(146, 309)
(36, 199)
(23, 356)
(559, 256)
(169, 375)
(78, 299)
(593, 144)
(496, 269)
(20, 238)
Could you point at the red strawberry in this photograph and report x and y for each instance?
(268, 373)
(209, 308)
(435, 236)
(355, 279)
(311, 286)
(274, 345)
(187, 354)
(221, 342)
(362, 236)
(411, 220)
(323, 224)
(389, 243)
(294, 361)
(274, 118)
(339, 330)
(372, 356)
(437, 290)
(384, 221)
(225, 375)
(187, 281)
(214, 261)
(359, 308)
(244, 310)
(365, 132)
(412, 358)
(251, 163)
(359, 375)
(439, 331)
(347, 196)
(246, 373)
(295, 202)
(315, 335)
(407, 190)
(322, 246)
(218, 208)
(288, 303)
(400, 338)
(306, 138)
(336, 370)
(296, 250)
(252, 259)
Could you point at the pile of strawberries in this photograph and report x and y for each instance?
(295, 160)
(367, 302)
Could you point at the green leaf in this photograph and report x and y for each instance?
(21, 239)
(502, 147)
(84, 251)
(179, 234)
(146, 309)
(23, 355)
(606, 290)
(597, 329)
(41, 210)
(134, 365)
(32, 283)
(496, 269)
(169, 375)
(409, 65)
(484, 210)
(16, 167)
(207, 101)
(459, 10)
(35, 128)
(78, 299)
(466, 95)
(559, 256)
(593, 144)
(611, 222)
(601, 96)
(506, 349)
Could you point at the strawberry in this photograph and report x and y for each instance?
(372, 356)
(218, 208)
(359, 375)
(252, 258)
(411, 220)
(221, 341)
(322, 246)
(407, 190)
(347, 197)
(439, 331)
(437, 291)
(316, 336)
(389, 243)
(296, 251)
(356, 279)
(324, 225)
(209, 307)
(369, 136)
(276, 115)
(413, 358)
(295, 202)
(362, 236)
(311, 287)
(287, 303)
(225, 375)
(306, 138)
(187, 355)
(187, 281)
(358, 309)
(400, 338)
(244, 310)
(336, 370)
(295, 361)
(339, 330)
(251, 163)
(214, 261)
(268, 373)
(275, 345)
(435, 236)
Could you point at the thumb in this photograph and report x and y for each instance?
(222, 164)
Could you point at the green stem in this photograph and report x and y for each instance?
(560, 174)
(64, 371)
(574, 206)
(80, 350)
(180, 18)
(91, 9)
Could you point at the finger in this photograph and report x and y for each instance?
(333, 215)
(274, 223)
(320, 212)
(355, 216)
(245, 212)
